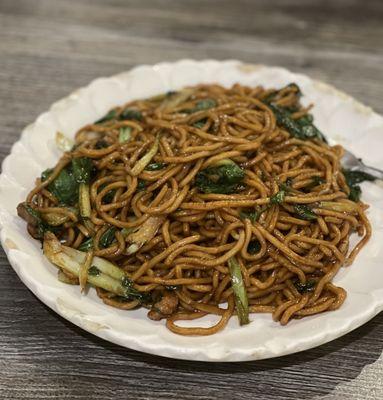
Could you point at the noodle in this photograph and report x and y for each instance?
(186, 187)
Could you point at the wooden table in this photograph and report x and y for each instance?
(50, 47)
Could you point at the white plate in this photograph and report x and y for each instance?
(339, 116)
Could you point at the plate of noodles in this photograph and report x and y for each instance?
(199, 210)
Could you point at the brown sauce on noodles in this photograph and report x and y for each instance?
(287, 220)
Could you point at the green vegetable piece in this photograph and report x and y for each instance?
(205, 104)
(94, 271)
(223, 178)
(295, 87)
(145, 160)
(309, 130)
(131, 114)
(86, 245)
(352, 179)
(309, 286)
(82, 168)
(202, 105)
(355, 193)
(128, 113)
(251, 215)
(64, 187)
(111, 277)
(316, 181)
(141, 185)
(239, 290)
(46, 174)
(134, 294)
(155, 166)
(112, 114)
(200, 124)
(271, 97)
(305, 120)
(253, 247)
(304, 212)
(301, 129)
(124, 135)
(278, 198)
(108, 237)
(38, 222)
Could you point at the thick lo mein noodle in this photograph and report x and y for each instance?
(203, 201)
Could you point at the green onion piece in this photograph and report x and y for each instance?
(132, 114)
(108, 237)
(144, 233)
(278, 198)
(94, 271)
(64, 187)
(86, 245)
(200, 124)
(112, 114)
(110, 277)
(84, 201)
(155, 166)
(251, 215)
(83, 271)
(124, 135)
(223, 177)
(239, 290)
(304, 212)
(354, 177)
(205, 104)
(82, 168)
(145, 160)
(201, 105)
(141, 185)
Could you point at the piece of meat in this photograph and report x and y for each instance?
(146, 232)
(164, 307)
(34, 231)
(25, 215)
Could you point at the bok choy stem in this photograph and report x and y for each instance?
(84, 267)
(145, 160)
(81, 170)
(110, 277)
(84, 200)
(240, 294)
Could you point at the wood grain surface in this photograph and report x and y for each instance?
(48, 48)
